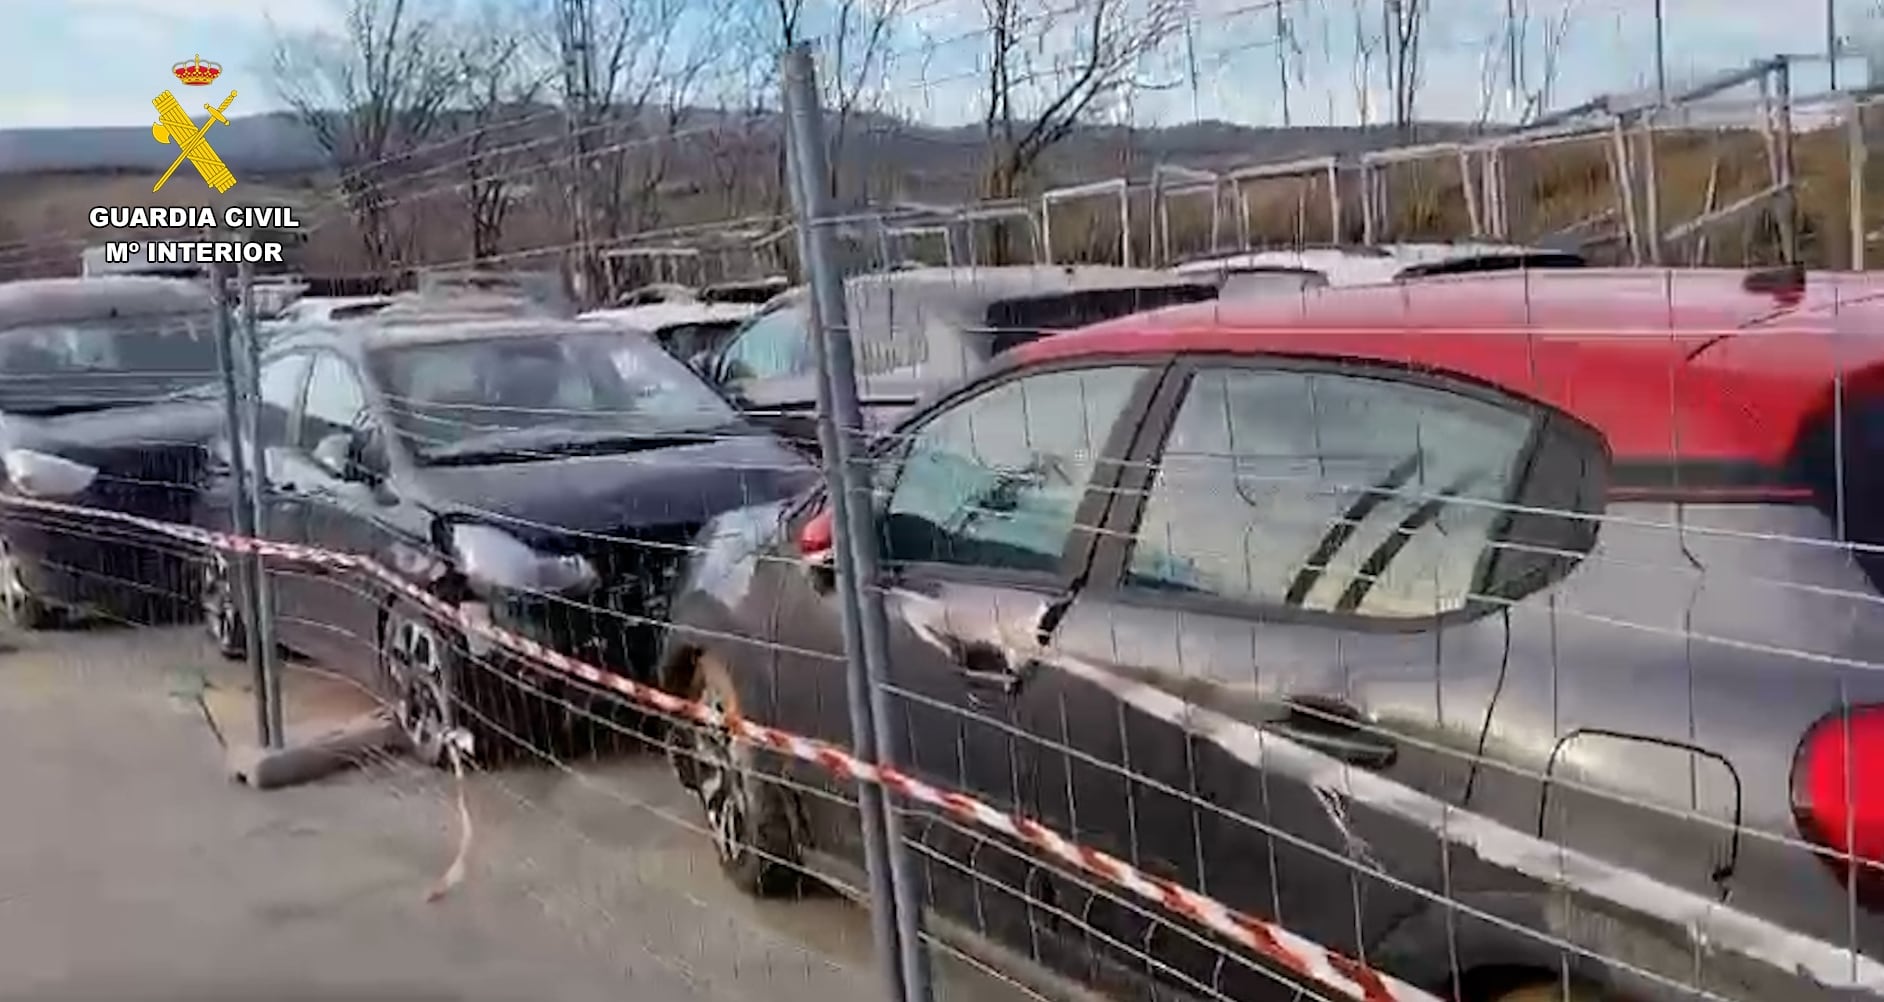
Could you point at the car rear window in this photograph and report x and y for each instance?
(684, 341)
(1014, 322)
(1495, 262)
(757, 294)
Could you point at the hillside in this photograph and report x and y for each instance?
(725, 170)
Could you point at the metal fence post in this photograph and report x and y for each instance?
(247, 569)
(1857, 153)
(262, 626)
(841, 431)
(1789, 195)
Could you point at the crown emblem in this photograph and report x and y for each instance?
(197, 73)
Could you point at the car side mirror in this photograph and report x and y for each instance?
(335, 454)
(351, 456)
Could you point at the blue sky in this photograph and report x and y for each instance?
(99, 62)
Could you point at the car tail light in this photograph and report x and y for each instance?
(1838, 793)
(816, 537)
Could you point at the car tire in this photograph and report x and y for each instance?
(423, 669)
(20, 609)
(749, 820)
(222, 613)
(1542, 991)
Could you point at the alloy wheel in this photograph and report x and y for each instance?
(417, 662)
(221, 616)
(722, 788)
(19, 607)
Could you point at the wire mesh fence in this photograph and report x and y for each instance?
(1047, 556)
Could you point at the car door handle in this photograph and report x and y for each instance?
(984, 666)
(1336, 730)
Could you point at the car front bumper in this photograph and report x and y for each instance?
(102, 566)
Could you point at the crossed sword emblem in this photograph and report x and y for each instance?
(176, 126)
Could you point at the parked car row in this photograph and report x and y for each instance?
(1502, 630)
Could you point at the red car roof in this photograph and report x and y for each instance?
(1670, 365)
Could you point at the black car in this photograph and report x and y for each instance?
(548, 475)
(103, 404)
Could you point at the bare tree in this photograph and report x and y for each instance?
(372, 92)
(1403, 22)
(1288, 59)
(1537, 94)
(743, 155)
(1361, 72)
(1522, 60)
(854, 38)
(628, 85)
(500, 86)
(1051, 68)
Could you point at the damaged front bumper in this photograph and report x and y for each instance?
(617, 630)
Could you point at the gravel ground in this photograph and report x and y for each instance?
(131, 868)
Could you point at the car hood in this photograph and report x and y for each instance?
(896, 390)
(681, 485)
(89, 436)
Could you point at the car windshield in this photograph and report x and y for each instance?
(90, 364)
(453, 399)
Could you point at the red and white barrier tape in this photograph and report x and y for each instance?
(1302, 957)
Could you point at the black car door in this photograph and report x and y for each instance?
(332, 614)
(281, 381)
(980, 508)
(1288, 596)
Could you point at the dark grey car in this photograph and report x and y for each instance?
(918, 330)
(542, 475)
(1476, 629)
(103, 404)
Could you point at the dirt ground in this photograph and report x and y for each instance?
(132, 868)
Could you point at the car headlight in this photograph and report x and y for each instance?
(493, 558)
(43, 475)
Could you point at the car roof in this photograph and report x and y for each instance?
(978, 286)
(317, 308)
(1673, 366)
(1362, 264)
(982, 285)
(654, 316)
(661, 292)
(55, 300)
(372, 335)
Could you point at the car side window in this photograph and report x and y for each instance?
(1330, 492)
(336, 402)
(774, 344)
(281, 381)
(996, 480)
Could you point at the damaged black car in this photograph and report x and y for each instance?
(106, 399)
(548, 476)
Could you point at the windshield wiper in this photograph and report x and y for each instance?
(643, 442)
(545, 444)
(59, 410)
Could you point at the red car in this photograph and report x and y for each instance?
(1504, 631)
